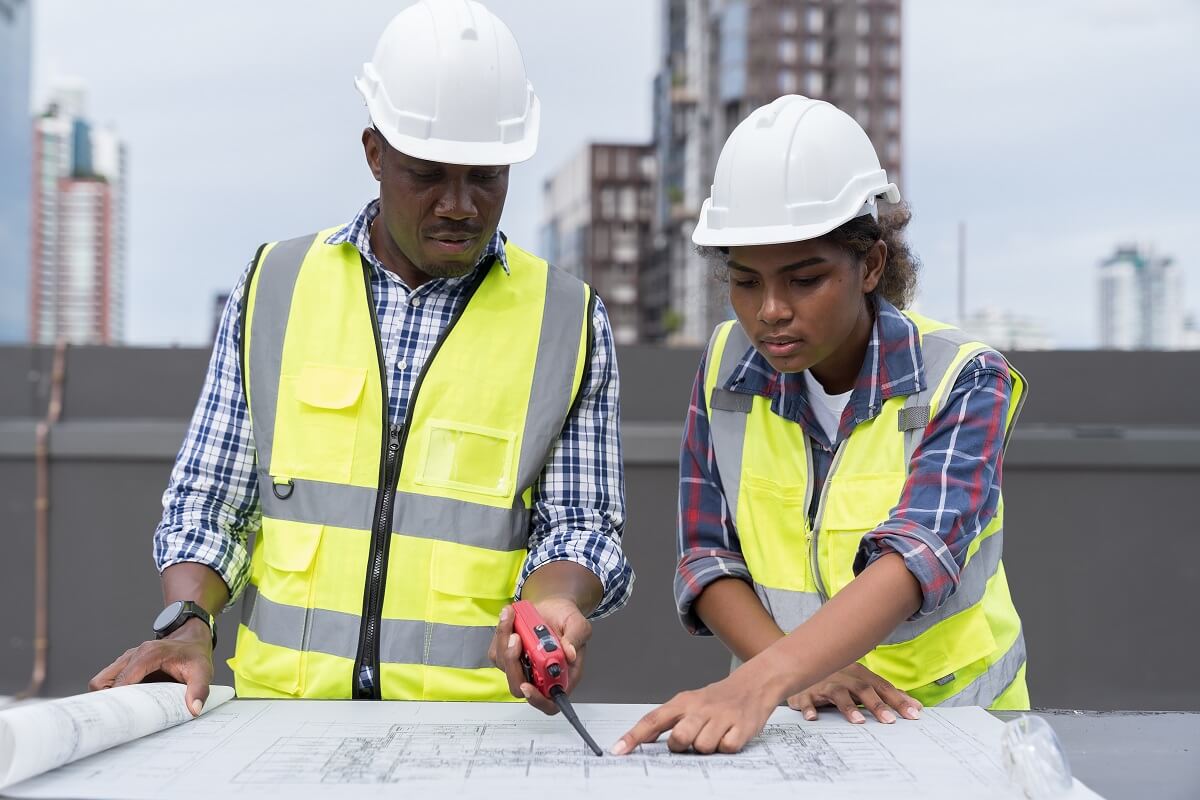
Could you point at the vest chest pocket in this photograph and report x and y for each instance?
(317, 428)
(773, 529)
(282, 616)
(854, 505)
(463, 457)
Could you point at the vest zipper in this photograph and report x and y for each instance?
(389, 469)
(816, 527)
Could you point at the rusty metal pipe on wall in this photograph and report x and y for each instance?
(41, 580)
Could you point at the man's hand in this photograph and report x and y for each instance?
(852, 686)
(568, 623)
(722, 716)
(184, 657)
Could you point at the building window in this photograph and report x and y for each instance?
(863, 23)
(814, 83)
(788, 20)
(787, 51)
(862, 54)
(813, 51)
(891, 55)
(622, 167)
(893, 150)
(628, 203)
(648, 165)
(891, 118)
(601, 162)
(891, 23)
(862, 87)
(891, 87)
(864, 117)
(787, 82)
(608, 203)
(814, 20)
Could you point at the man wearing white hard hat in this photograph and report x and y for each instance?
(414, 418)
(840, 494)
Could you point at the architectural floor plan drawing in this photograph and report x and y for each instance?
(334, 749)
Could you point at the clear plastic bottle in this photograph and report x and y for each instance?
(1035, 759)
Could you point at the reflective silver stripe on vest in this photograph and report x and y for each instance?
(275, 278)
(422, 516)
(984, 690)
(551, 394)
(728, 428)
(401, 641)
(789, 609)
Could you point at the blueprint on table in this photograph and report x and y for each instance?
(331, 749)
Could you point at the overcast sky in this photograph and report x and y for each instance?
(1055, 130)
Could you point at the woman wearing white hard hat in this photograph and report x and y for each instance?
(840, 494)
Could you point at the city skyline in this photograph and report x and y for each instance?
(1048, 187)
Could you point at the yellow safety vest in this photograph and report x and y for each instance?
(392, 548)
(971, 650)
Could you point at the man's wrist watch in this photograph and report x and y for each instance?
(172, 618)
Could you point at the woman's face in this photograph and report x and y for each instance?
(799, 301)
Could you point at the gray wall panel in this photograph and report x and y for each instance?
(1099, 556)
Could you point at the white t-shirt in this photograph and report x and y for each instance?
(827, 407)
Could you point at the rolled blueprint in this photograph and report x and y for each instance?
(38, 737)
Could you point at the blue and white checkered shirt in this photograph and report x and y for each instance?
(211, 505)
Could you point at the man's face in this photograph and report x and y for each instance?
(799, 302)
(439, 217)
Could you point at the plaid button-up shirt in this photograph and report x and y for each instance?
(211, 506)
(953, 485)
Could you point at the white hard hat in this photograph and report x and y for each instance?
(448, 84)
(793, 170)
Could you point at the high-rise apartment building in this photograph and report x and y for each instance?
(78, 226)
(1141, 301)
(15, 162)
(721, 60)
(597, 212)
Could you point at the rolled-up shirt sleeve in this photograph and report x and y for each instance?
(953, 486)
(211, 504)
(706, 539)
(579, 501)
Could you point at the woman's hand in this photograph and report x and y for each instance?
(853, 686)
(722, 716)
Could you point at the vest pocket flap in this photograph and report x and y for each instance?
(860, 502)
(466, 571)
(330, 385)
(291, 546)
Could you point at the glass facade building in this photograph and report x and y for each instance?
(15, 163)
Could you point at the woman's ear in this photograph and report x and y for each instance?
(875, 261)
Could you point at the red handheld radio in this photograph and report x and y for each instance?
(545, 664)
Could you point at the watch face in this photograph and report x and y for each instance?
(168, 615)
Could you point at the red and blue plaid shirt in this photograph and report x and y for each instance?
(953, 486)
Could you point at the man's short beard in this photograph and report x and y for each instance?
(447, 269)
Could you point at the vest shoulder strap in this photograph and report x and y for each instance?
(726, 349)
(945, 350)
